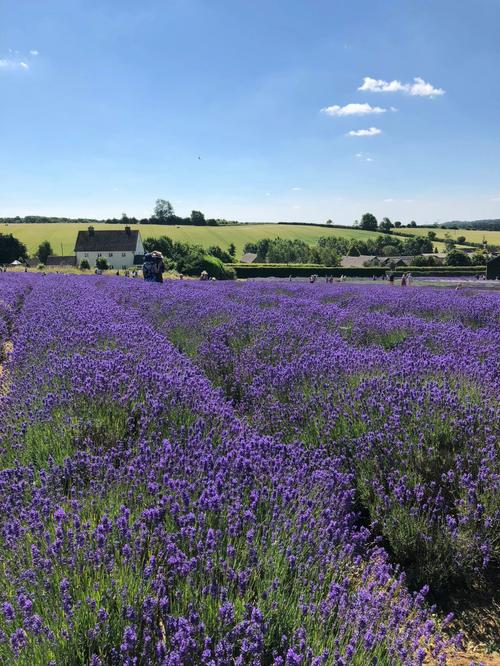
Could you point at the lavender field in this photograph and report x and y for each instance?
(244, 473)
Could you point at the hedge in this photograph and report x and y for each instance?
(306, 270)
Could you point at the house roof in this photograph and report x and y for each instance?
(248, 258)
(355, 262)
(105, 241)
(407, 260)
(61, 261)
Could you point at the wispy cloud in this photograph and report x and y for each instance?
(11, 63)
(419, 87)
(296, 189)
(34, 52)
(353, 109)
(364, 157)
(371, 131)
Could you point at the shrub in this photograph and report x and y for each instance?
(195, 264)
(84, 265)
(101, 263)
(457, 258)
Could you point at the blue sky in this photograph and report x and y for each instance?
(106, 105)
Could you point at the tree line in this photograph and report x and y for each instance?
(329, 251)
(163, 213)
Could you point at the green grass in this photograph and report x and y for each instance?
(472, 236)
(62, 237)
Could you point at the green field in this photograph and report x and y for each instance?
(62, 237)
(472, 236)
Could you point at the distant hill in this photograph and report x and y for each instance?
(482, 225)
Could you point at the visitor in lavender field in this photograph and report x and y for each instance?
(153, 267)
(403, 280)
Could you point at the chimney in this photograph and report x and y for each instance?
(128, 230)
(91, 231)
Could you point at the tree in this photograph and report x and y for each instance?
(163, 211)
(353, 251)
(461, 240)
(479, 259)
(44, 251)
(329, 221)
(457, 258)
(368, 222)
(84, 265)
(232, 250)
(216, 251)
(101, 263)
(431, 235)
(386, 225)
(250, 248)
(11, 249)
(412, 224)
(197, 217)
(397, 224)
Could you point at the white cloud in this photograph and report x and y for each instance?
(496, 199)
(34, 52)
(353, 109)
(296, 189)
(388, 200)
(364, 157)
(8, 63)
(371, 131)
(296, 207)
(419, 87)
(268, 194)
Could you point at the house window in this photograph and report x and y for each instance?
(99, 254)
(110, 254)
(86, 254)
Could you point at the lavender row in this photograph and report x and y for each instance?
(403, 386)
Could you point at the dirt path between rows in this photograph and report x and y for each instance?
(6, 351)
(466, 658)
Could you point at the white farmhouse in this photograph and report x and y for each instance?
(119, 248)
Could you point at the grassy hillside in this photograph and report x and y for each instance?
(62, 236)
(471, 236)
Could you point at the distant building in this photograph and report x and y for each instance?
(61, 261)
(248, 258)
(357, 262)
(493, 268)
(119, 248)
(397, 261)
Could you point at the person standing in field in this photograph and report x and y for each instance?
(409, 278)
(403, 280)
(153, 267)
